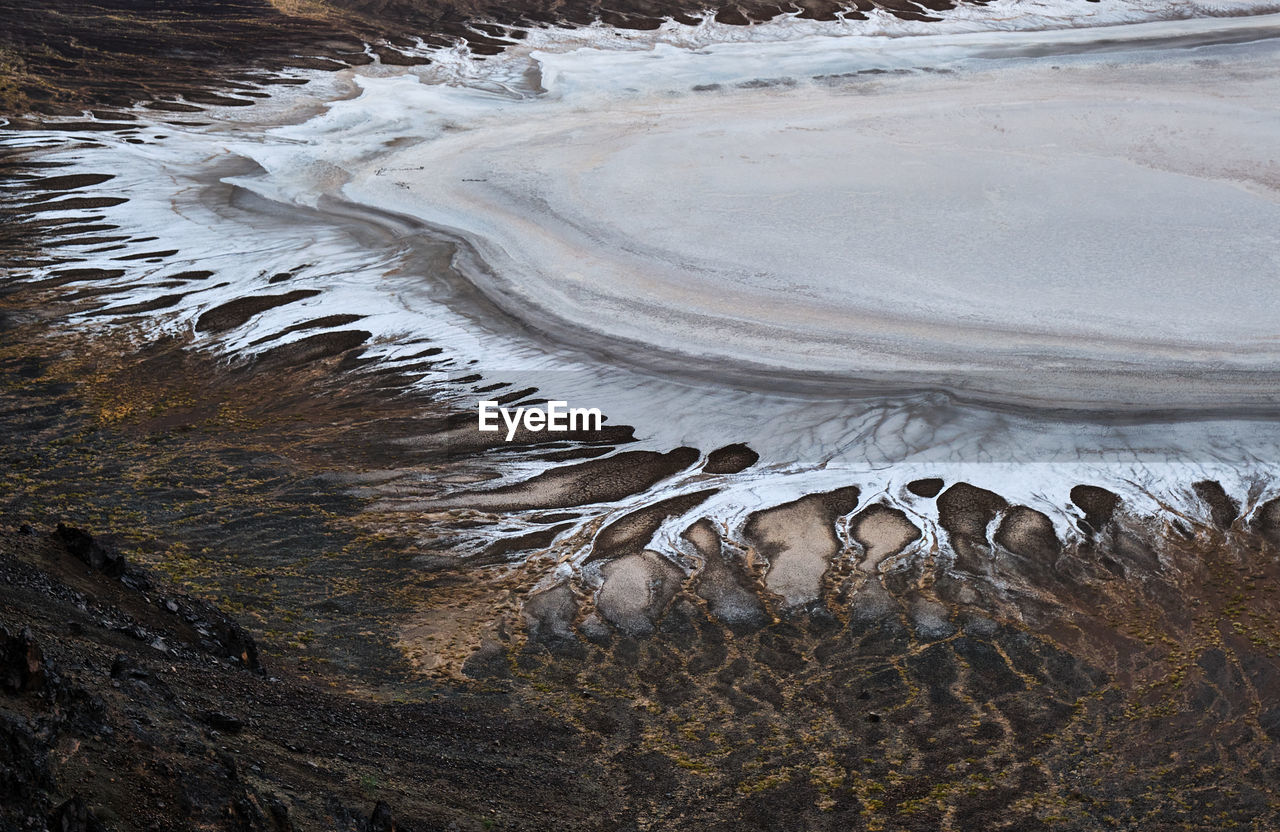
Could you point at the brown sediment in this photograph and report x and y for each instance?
(89, 241)
(636, 590)
(575, 453)
(965, 511)
(1097, 503)
(60, 57)
(64, 276)
(391, 57)
(153, 305)
(883, 531)
(723, 582)
(241, 310)
(457, 436)
(731, 459)
(1267, 521)
(1223, 508)
(75, 203)
(171, 445)
(67, 182)
(549, 614)
(146, 255)
(598, 481)
(214, 100)
(129, 713)
(172, 107)
(963, 701)
(935, 697)
(500, 549)
(1030, 698)
(633, 531)
(325, 322)
(928, 487)
(121, 127)
(313, 348)
(798, 540)
(1029, 533)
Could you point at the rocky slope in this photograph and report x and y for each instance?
(129, 705)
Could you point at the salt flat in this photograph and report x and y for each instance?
(870, 258)
(1090, 227)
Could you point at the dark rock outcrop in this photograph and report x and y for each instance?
(74, 816)
(24, 766)
(22, 667)
(223, 721)
(381, 819)
(97, 554)
(219, 629)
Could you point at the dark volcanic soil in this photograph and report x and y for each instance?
(114, 698)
